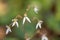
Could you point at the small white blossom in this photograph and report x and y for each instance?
(28, 39)
(8, 29)
(26, 18)
(39, 24)
(15, 22)
(35, 9)
(44, 37)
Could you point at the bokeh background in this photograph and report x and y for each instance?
(49, 12)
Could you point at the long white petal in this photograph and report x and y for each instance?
(37, 26)
(13, 24)
(24, 20)
(10, 30)
(17, 24)
(7, 31)
(28, 19)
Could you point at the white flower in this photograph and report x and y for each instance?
(8, 29)
(15, 22)
(35, 9)
(44, 37)
(28, 39)
(26, 18)
(39, 24)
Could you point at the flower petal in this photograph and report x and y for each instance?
(8, 29)
(13, 24)
(44, 37)
(24, 20)
(36, 10)
(37, 26)
(28, 19)
(28, 39)
(17, 24)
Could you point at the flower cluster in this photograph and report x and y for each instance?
(26, 18)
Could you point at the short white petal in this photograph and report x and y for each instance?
(36, 10)
(12, 19)
(7, 26)
(44, 38)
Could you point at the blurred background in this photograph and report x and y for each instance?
(48, 11)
